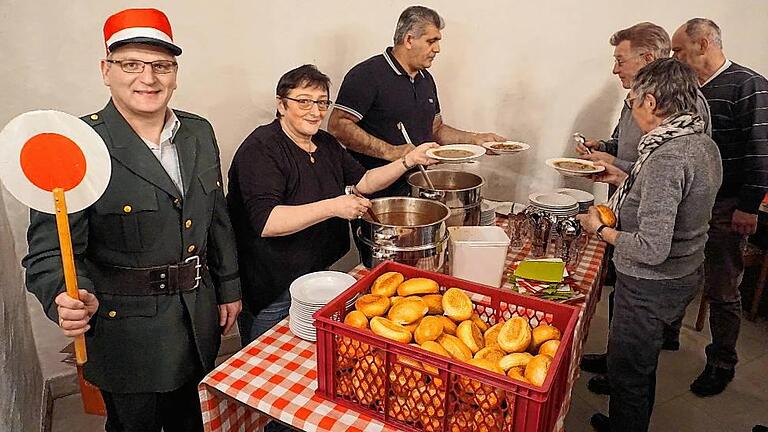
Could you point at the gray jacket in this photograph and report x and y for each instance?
(627, 134)
(665, 218)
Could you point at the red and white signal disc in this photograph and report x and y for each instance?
(43, 150)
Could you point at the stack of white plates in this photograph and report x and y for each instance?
(487, 214)
(585, 199)
(556, 204)
(309, 293)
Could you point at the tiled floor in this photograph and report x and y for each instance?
(743, 404)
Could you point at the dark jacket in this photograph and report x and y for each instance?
(145, 343)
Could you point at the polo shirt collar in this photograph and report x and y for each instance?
(395, 65)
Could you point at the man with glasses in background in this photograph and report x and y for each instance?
(394, 87)
(155, 255)
(634, 47)
(738, 97)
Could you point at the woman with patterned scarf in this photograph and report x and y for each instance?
(663, 207)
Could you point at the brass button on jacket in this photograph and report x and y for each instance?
(112, 314)
(188, 224)
(127, 209)
(191, 248)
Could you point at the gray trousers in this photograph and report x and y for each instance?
(724, 269)
(642, 310)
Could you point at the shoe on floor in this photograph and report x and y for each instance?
(600, 422)
(713, 380)
(594, 363)
(760, 428)
(599, 384)
(671, 346)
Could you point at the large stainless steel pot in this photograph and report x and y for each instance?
(460, 191)
(410, 231)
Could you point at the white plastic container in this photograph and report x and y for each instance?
(478, 253)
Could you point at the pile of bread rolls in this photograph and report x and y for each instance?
(414, 311)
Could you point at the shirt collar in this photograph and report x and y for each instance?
(168, 133)
(725, 66)
(395, 65)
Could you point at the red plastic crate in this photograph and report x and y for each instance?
(371, 374)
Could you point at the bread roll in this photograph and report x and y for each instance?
(435, 303)
(520, 359)
(515, 335)
(472, 337)
(372, 305)
(386, 284)
(357, 319)
(537, 368)
(429, 329)
(436, 348)
(386, 328)
(482, 325)
(549, 347)
(457, 305)
(412, 326)
(494, 354)
(418, 286)
(455, 347)
(408, 310)
(517, 373)
(607, 216)
(449, 327)
(541, 334)
(491, 336)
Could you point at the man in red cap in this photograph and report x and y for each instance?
(155, 257)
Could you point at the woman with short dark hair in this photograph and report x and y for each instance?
(287, 198)
(663, 207)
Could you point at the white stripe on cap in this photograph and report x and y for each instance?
(134, 32)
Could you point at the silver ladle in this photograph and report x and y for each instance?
(401, 126)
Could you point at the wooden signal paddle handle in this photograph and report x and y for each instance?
(68, 263)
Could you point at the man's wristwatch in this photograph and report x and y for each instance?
(599, 231)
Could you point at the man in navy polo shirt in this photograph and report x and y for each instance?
(395, 87)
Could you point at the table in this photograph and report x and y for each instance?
(275, 376)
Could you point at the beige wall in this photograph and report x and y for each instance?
(534, 71)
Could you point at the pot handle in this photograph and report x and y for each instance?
(432, 195)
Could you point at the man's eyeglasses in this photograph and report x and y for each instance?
(137, 66)
(628, 102)
(306, 104)
(622, 61)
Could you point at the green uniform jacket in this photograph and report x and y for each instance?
(146, 343)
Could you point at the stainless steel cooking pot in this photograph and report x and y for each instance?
(460, 191)
(410, 231)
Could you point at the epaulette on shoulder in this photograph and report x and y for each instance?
(92, 119)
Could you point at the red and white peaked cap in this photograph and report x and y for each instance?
(148, 26)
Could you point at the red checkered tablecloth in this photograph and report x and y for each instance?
(275, 376)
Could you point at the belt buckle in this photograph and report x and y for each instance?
(196, 259)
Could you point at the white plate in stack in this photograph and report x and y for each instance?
(309, 293)
(556, 204)
(487, 214)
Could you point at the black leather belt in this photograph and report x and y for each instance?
(159, 280)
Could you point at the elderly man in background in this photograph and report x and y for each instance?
(394, 87)
(738, 98)
(634, 47)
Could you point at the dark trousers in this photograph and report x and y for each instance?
(724, 269)
(252, 325)
(175, 411)
(643, 308)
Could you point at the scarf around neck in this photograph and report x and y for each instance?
(674, 126)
